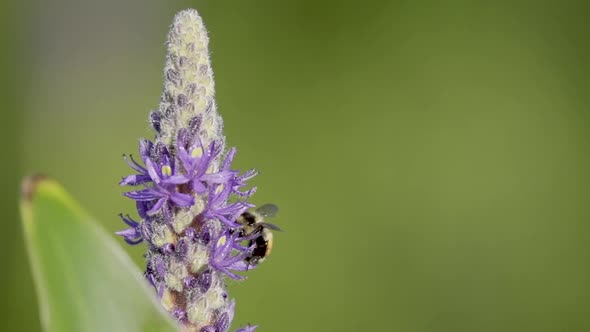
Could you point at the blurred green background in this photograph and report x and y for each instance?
(431, 159)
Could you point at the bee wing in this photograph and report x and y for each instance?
(270, 226)
(268, 210)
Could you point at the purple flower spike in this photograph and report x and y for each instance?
(133, 234)
(187, 195)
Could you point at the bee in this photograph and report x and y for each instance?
(258, 231)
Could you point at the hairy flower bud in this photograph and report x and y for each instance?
(189, 88)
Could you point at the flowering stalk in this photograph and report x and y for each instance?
(186, 182)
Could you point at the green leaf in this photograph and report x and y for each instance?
(84, 279)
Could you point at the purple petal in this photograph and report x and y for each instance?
(242, 266)
(182, 200)
(220, 177)
(198, 187)
(157, 206)
(145, 148)
(200, 168)
(229, 157)
(151, 279)
(141, 209)
(242, 248)
(176, 179)
(143, 195)
(167, 161)
(131, 242)
(249, 328)
(161, 290)
(248, 175)
(231, 261)
(231, 309)
(227, 222)
(245, 194)
(133, 164)
(232, 275)
(130, 222)
(184, 157)
(153, 172)
(134, 180)
(214, 149)
(131, 235)
(129, 232)
(233, 210)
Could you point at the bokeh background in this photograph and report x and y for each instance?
(431, 159)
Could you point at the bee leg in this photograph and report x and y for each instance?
(252, 261)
